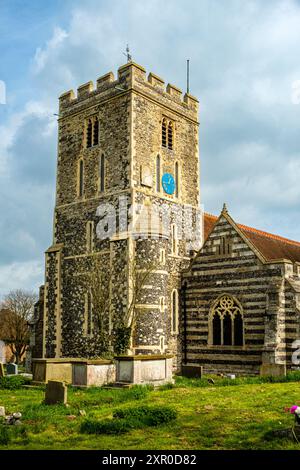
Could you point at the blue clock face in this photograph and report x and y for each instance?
(168, 183)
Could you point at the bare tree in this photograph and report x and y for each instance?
(138, 277)
(137, 280)
(97, 280)
(16, 311)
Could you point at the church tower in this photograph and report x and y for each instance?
(127, 207)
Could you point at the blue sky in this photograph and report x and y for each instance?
(244, 61)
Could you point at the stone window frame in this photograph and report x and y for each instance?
(102, 173)
(162, 345)
(92, 124)
(177, 174)
(233, 308)
(90, 242)
(80, 178)
(88, 314)
(158, 173)
(174, 240)
(162, 304)
(174, 311)
(162, 256)
(170, 134)
(167, 136)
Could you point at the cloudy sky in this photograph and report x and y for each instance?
(245, 70)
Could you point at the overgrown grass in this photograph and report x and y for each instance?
(216, 416)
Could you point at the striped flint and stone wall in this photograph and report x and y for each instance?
(266, 297)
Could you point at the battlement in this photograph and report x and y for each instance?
(131, 76)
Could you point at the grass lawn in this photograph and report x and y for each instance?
(212, 417)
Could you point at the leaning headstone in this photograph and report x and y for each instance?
(56, 392)
(11, 369)
(1, 370)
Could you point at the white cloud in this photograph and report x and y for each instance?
(42, 54)
(16, 275)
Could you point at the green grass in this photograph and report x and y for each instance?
(219, 416)
(221, 382)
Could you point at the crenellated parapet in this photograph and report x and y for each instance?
(130, 77)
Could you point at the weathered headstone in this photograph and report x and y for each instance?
(56, 392)
(192, 371)
(12, 369)
(1, 370)
(2, 411)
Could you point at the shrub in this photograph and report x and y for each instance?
(12, 382)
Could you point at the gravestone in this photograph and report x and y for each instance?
(12, 369)
(56, 392)
(1, 370)
(192, 371)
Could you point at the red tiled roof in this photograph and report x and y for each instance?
(271, 246)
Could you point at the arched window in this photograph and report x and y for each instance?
(80, 178)
(90, 236)
(174, 240)
(102, 173)
(238, 330)
(216, 324)
(88, 314)
(227, 329)
(170, 135)
(89, 132)
(164, 132)
(162, 256)
(174, 311)
(176, 179)
(96, 132)
(227, 326)
(158, 173)
(162, 344)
